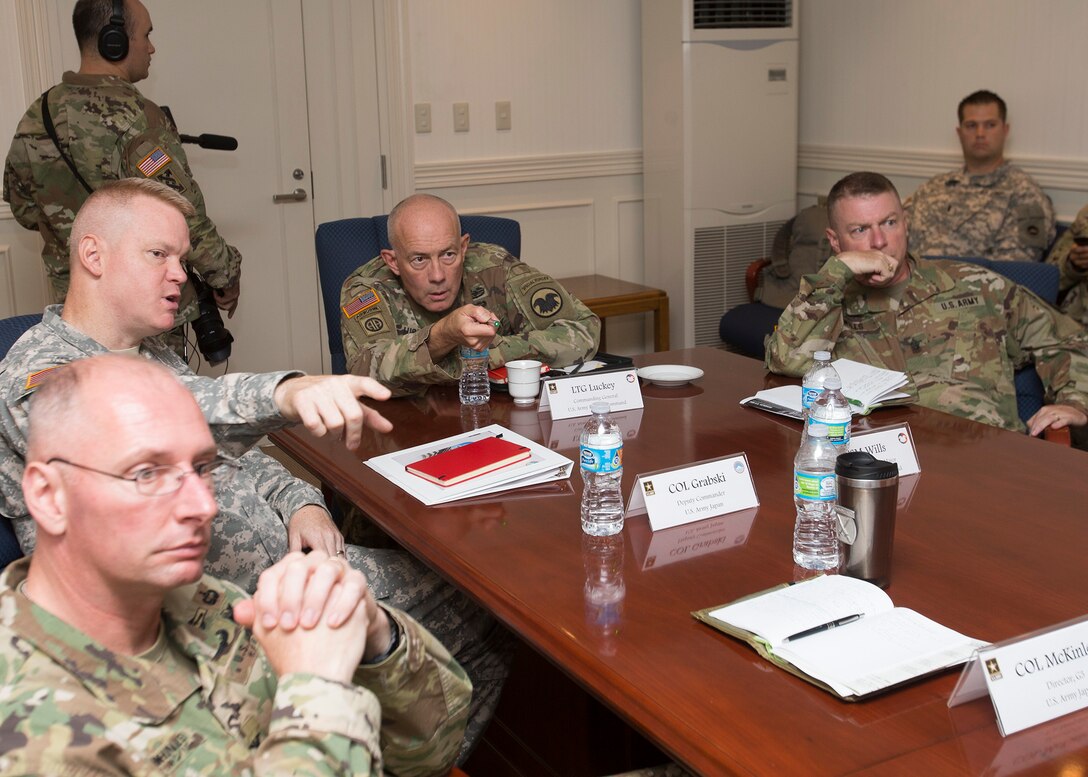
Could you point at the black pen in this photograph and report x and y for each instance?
(581, 363)
(823, 627)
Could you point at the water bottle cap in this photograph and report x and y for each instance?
(833, 382)
(822, 356)
(599, 408)
(817, 430)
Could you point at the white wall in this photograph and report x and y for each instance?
(569, 169)
(880, 81)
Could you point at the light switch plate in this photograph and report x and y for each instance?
(502, 115)
(460, 117)
(423, 117)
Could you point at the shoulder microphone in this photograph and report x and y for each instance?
(214, 142)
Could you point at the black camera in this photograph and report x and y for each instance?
(212, 337)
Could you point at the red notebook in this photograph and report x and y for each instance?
(469, 461)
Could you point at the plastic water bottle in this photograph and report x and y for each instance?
(816, 533)
(815, 379)
(475, 388)
(832, 409)
(601, 456)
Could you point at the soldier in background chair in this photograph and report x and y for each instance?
(989, 207)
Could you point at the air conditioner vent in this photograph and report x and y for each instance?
(741, 14)
(722, 256)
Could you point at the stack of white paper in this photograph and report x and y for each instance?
(541, 467)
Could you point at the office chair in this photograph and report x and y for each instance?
(11, 329)
(344, 245)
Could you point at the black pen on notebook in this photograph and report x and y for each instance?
(823, 627)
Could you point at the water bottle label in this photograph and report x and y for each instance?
(818, 487)
(602, 460)
(808, 395)
(838, 432)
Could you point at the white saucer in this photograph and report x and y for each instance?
(670, 375)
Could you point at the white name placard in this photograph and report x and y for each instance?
(572, 396)
(701, 490)
(893, 443)
(1030, 679)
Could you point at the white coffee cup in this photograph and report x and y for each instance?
(523, 380)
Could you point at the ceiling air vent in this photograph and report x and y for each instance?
(741, 14)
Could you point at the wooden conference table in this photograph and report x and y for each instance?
(990, 541)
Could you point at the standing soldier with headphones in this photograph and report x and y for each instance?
(95, 126)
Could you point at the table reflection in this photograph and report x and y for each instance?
(604, 590)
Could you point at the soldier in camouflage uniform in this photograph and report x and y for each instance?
(990, 208)
(266, 512)
(118, 655)
(109, 131)
(958, 331)
(1072, 260)
(405, 314)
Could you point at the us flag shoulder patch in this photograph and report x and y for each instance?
(36, 379)
(361, 303)
(153, 162)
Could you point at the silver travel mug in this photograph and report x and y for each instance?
(867, 493)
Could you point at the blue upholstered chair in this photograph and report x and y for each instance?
(11, 329)
(344, 245)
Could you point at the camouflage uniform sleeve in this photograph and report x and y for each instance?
(239, 407)
(283, 492)
(157, 153)
(543, 321)
(1056, 343)
(17, 192)
(373, 347)
(812, 321)
(1028, 227)
(1070, 275)
(424, 697)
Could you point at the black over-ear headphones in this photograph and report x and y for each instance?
(112, 39)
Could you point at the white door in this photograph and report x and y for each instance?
(239, 68)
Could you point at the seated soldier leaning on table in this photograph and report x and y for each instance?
(406, 313)
(957, 330)
(128, 244)
(119, 655)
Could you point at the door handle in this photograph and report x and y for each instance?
(298, 195)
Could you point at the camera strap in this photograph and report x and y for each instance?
(50, 130)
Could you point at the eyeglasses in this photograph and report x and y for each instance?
(167, 478)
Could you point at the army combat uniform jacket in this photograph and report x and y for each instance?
(1073, 286)
(1002, 215)
(110, 131)
(957, 330)
(385, 333)
(211, 704)
(249, 534)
